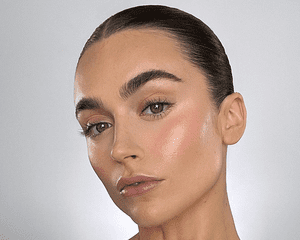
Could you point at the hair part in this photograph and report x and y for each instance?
(197, 42)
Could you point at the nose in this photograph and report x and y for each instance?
(126, 146)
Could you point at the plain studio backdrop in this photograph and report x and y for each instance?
(48, 188)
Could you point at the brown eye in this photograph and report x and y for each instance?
(95, 129)
(99, 128)
(156, 108)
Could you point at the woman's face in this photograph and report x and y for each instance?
(165, 128)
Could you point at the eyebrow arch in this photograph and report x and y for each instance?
(126, 90)
(88, 104)
(135, 83)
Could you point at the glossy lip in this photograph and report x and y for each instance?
(124, 182)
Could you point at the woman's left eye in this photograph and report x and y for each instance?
(156, 109)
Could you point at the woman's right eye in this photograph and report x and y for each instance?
(94, 129)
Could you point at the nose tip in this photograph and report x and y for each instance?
(120, 156)
(125, 150)
(126, 142)
(123, 159)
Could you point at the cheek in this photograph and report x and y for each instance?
(188, 143)
(176, 136)
(101, 162)
(106, 168)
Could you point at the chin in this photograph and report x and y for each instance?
(148, 218)
(150, 214)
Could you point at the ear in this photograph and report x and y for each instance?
(232, 118)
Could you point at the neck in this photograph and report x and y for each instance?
(208, 219)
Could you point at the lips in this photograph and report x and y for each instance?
(136, 185)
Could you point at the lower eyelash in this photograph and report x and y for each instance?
(81, 132)
(86, 131)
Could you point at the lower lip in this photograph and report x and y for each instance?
(142, 188)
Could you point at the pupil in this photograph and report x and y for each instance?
(101, 127)
(156, 108)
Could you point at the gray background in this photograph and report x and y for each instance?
(48, 189)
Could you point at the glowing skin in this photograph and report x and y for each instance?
(184, 147)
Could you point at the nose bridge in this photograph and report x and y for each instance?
(121, 131)
(125, 143)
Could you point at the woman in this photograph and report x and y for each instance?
(155, 99)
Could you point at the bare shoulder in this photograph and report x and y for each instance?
(135, 237)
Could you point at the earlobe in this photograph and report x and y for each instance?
(232, 117)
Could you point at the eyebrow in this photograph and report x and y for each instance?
(88, 104)
(135, 83)
(127, 89)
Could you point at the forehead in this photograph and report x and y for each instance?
(108, 64)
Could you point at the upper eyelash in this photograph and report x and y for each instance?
(154, 101)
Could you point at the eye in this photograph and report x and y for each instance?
(95, 129)
(156, 108)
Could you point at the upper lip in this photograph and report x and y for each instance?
(123, 181)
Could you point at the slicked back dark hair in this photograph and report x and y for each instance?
(197, 41)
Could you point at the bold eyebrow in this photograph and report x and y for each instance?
(135, 83)
(88, 104)
(127, 89)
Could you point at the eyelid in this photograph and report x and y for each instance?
(92, 122)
